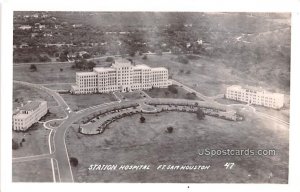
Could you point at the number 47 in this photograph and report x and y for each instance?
(229, 165)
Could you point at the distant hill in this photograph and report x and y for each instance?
(251, 43)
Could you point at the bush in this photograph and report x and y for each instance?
(15, 145)
(110, 59)
(170, 129)
(33, 67)
(73, 161)
(145, 57)
(142, 119)
(191, 96)
(132, 54)
(200, 114)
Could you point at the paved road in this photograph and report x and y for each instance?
(31, 158)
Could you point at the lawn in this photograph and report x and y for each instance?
(206, 75)
(46, 73)
(129, 96)
(128, 141)
(166, 93)
(59, 86)
(32, 171)
(78, 102)
(22, 93)
(36, 141)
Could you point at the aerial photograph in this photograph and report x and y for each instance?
(151, 97)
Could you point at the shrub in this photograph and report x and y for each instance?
(73, 161)
(110, 59)
(200, 114)
(15, 145)
(142, 119)
(170, 129)
(33, 67)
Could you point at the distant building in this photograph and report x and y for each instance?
(254, 95)
(24, 45)
(121, 76)
(25, 27)
(29, 114)
(42, 26)
(76, 25)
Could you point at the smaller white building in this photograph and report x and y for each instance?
(255, 95)
(29, 114)
(25, 27)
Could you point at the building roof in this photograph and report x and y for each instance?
(33, 105)
(159, 69)
(121, 63)
(86, 73)
(235, 87)
(252, 88)
(103, 69)
(141, 66)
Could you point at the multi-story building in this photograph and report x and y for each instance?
(121, 76)
(255, 95)
(29, 114)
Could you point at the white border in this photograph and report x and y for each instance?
(9, 6)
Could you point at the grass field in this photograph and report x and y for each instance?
(56, 86)
(206, 75)
(165, 93)
(22, 93)
(48, 73)
(78, 102)
(128, 141)
(36, 141)
(32, 171)
(129, 96)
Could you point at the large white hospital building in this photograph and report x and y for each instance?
(255, 95)
(121, 76)
(29, 114)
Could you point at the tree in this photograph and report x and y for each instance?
(110, 59)
(73, 161)
(33, 67)
(15, 145)
(170, 129)
(191, 96)
(132, 54)
(200, 114)
(142, 119)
